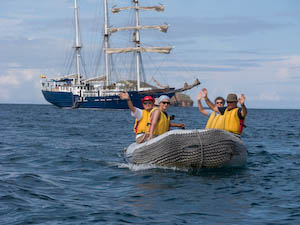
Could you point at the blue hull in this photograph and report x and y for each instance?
(60, 99)
(68, 100)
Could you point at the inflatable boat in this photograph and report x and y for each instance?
(211, 148)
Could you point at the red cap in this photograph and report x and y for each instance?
(148, 98)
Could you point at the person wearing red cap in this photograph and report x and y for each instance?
(141, 115)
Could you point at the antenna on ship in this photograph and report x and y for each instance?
(77, 43)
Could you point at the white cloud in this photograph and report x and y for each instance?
(288, 67)
(18, 79)
(4, 94)
(267, 83)
(29, 74)
(13, 65)
(16, 76)
(9, 80)
(269, 96)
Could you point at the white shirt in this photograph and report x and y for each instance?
(137, 114)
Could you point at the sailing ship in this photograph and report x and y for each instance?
(76, 90)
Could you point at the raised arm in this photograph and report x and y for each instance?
(208, 102)
(200, 107)
(242, 102)
(125, 96)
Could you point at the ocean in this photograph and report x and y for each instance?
(60, 166)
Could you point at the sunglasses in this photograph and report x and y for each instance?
(147, 103)
(230, 102)
(219, 103)
(165, 103)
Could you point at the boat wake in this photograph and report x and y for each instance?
(141, 167)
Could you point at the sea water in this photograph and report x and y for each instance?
(62, 166)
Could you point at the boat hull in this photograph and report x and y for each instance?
(59, 99)
(190, 149)
(68, 100)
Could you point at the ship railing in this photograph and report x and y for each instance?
(57, 89)
(90, 93)
(98, 93)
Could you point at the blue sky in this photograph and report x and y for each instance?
(240, 46)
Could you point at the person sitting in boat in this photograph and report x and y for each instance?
(213, 117)
(141, 115)
(233, 117)
(159, 122)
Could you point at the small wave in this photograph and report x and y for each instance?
(35, 179)
(140, 167)
(10, 199)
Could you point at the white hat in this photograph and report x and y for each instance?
(162, 97)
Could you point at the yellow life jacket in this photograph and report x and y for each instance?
(140, 126)
(162, 126)
(215, 121)
(229, 121)
(232, 121)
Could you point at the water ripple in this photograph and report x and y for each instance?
(67, 167)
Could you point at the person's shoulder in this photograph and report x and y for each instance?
(137, 113)
(154, 110)
(139, 110)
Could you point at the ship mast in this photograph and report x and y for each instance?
(136, 28)
(106, 42)
(77, 43)
(137, 45)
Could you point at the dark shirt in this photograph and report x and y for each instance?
(222, 111)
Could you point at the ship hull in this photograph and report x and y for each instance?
(59, 99)
(68, 100)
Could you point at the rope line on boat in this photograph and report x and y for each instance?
(201, 148)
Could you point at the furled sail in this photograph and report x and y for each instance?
(157, 8)
(162, 28)
(159, 84)
(165, 50)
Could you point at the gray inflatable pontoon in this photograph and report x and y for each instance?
(190, 149)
